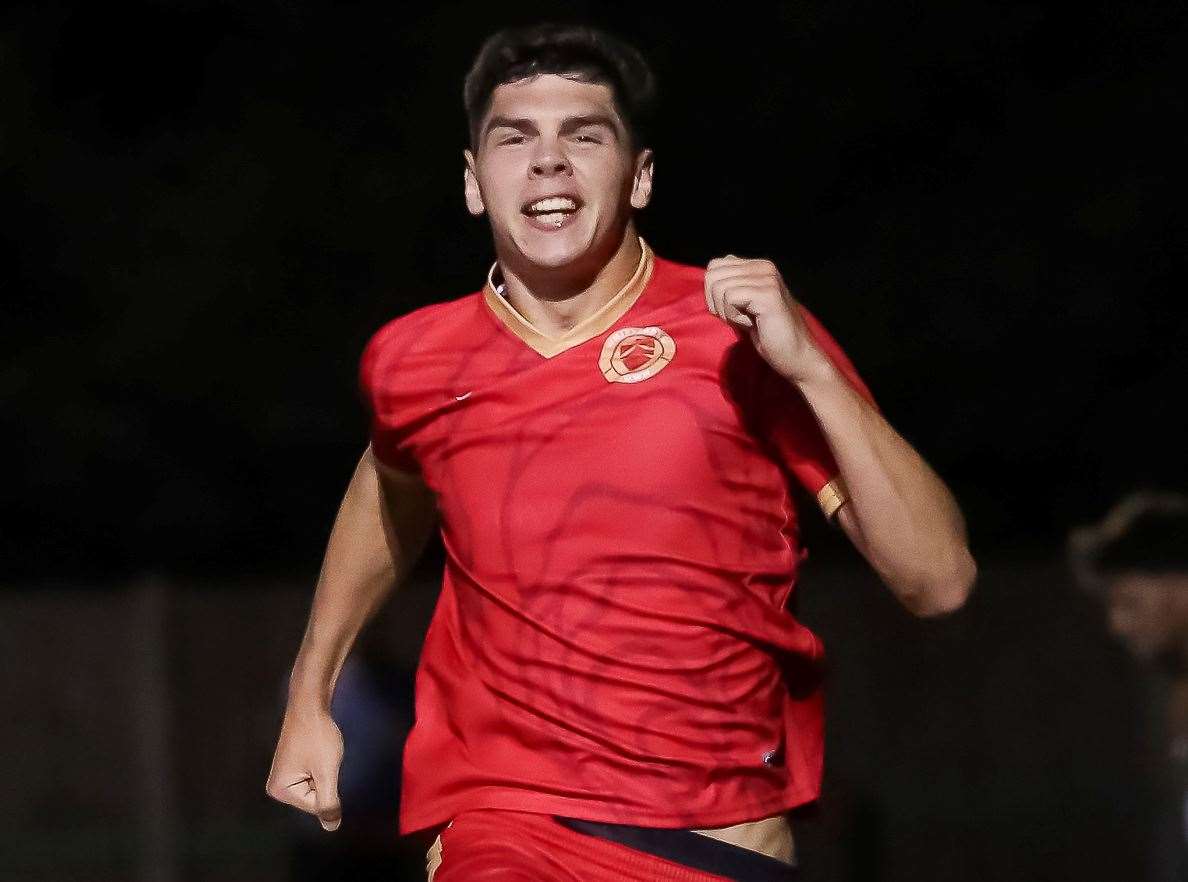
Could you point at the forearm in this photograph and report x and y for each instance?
(912, 530)
(369, 552)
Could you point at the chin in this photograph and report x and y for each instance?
(554, 250)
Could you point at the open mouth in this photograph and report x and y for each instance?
(552, 212)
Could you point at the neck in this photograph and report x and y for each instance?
(554, 300)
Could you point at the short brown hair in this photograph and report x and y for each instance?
(1146, 532)
(579, 51)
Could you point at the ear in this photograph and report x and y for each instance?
(474, 197)
(641, 187)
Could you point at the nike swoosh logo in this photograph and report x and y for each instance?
(463, 395)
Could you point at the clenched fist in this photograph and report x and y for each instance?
(751, 294)
(305, 766)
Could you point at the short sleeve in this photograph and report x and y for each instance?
(790, 427)
(386, 403)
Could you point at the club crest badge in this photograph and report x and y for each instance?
(630, 355)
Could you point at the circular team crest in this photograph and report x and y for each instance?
(633, 354)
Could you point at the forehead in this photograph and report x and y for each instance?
(548, 97)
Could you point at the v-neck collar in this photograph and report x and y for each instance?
(610, 312)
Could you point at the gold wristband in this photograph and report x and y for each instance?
(832, 496)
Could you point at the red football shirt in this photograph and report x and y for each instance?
(611, 641)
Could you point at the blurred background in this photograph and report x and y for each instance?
(208, 207)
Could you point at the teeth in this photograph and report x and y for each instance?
(556, 203)
(556, 218)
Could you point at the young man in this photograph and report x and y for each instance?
(611, 686)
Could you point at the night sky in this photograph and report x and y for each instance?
(208, 207)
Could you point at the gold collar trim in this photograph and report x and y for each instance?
(609, 313)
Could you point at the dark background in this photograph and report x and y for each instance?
(209, 206)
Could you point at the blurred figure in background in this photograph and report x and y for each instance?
(1135, 560)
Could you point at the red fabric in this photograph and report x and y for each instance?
(502, 846)
(785, 420)
(611, 641)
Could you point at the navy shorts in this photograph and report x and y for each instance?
(691, 849)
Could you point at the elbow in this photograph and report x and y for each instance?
(946, 587)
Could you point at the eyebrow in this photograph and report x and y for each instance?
(569, 124)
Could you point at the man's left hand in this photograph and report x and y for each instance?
(751, 294)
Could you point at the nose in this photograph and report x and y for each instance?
(550, 161)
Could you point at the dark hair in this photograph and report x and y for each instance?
(1145, 532)
(578, 51)
(1155, 542)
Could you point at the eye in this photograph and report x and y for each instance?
(514, 139)
(588, 139)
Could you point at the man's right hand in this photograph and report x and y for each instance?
(305, 766)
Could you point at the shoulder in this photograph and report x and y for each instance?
(677, 290)
(418, 321)
(673, 273)
(419, 326)
(417, 331)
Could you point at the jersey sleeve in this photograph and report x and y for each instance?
(788, 424)
(386, 401)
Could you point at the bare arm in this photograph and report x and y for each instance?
(383, 524)
(900, 515)
(381, 529)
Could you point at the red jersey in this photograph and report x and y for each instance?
(611, 641)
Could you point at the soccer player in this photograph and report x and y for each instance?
(611, 686)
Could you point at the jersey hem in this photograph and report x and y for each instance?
(511, 800)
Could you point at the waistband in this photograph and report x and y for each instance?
(691, 849)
